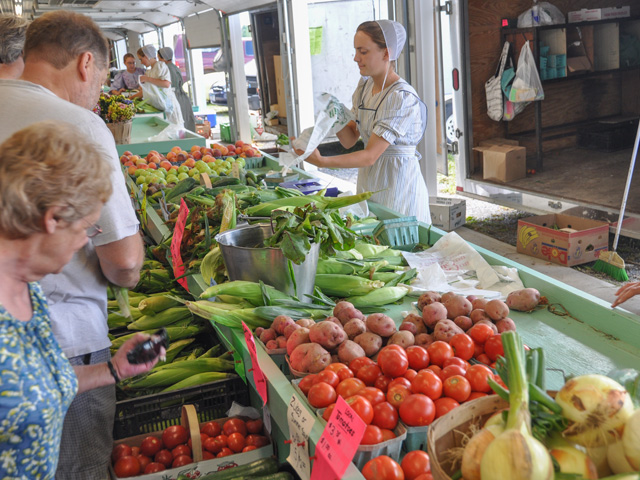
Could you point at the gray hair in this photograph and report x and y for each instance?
(12, 33)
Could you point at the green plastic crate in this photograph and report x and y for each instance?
(225, 132)
(399, 233)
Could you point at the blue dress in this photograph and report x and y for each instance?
(37, 384)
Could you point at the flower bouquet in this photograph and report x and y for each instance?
(117, 112)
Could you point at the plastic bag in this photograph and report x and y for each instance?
(156, 96)
(165, 99)
(542, 13)
(511, 109)
(526, 86)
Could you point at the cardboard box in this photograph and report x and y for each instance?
(578, 64)
(588, 15)
(204, 129)
(271, 122)
(282, 100)
(563, 239)
(477, 161)
(447, 213)
(503, 162)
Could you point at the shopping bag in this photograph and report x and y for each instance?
(511, 109)
(156, 96)
(526, 86)
(493, 88)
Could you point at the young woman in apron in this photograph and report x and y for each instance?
(391, 119)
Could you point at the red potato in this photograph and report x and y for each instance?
(280, 323)
(354, 327)
(309, 358)
(505, 325)
(479, 303)
(417, 321)
(457, 306)
(370, 343)
(445, 329)
(305, 322)
(350, 350)
(478, 314)
(268, 334)
(327, 334)
(428, 298)
(424, 339)
(490, 324)
(523, 300)
(282, 341)
(272, 345)
(433, 313)
(497, 310)
(345, 311)
(471, 298)
(465, 323)
(447, 296)
(333, 320)
(381, 324)
(408, 327)
(289, 329)
(258, 331)
(403, 338)
(298, 337)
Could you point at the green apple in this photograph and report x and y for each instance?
(172, 178)
(183, 175)
(162, 171)
(183, 169)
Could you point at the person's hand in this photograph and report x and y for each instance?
(143, 78)
(124, 369)
(625, 292)
(315, 158)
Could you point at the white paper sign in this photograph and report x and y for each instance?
(266, 418)
(300, 422)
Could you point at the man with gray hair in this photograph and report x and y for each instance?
(65, 63)
(12, 32)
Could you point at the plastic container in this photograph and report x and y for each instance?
(561, 60)
(399, 233)
(608, 137)
(277, 355)
(543, 62)
(225, 132)
(311, 185)
(153, 413)
(416, 438)
(253, 162)
(544, 51)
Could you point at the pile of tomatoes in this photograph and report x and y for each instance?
(173, 448)
(416, 385)
(414, 466)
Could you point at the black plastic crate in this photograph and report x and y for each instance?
(153, 413)
(608, 137)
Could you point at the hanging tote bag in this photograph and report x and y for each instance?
(493, 88)
(527, 86)
(511, 109)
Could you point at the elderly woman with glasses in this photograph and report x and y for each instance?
(53, 184)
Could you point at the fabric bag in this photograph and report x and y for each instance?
(527, 86)
(493, 88)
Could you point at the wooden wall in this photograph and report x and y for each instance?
(565, 101)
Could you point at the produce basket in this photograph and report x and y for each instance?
(277, 355)
(293, 371)
(399, 233)
(416, 438)
(154, 413)
(253, 162)
(450, 430)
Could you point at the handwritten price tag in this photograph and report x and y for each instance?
(178, 232)
(300, 424)
(258, 376)
(338, 443)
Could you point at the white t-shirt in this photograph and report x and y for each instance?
(77, 296)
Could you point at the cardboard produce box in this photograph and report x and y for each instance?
(587, 15)
(563, 239)
(503, 160)
(447, 213)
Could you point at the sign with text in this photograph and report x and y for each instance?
(176, 241)
(258, 376)
(300, 422)
(338, 443)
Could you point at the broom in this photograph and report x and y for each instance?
(610, 263)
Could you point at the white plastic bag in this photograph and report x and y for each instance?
(165, 99)
(527, 86)
(156, 96)
(542, 13)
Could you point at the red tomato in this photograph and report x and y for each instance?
(374, 395)
(127, 466)
(322, 395)
(255, 426)
(362, 406)
(119, 451)
(181, 450)
(456, 361)
(203, 437)
(164, 457)
(405, 382)
(410, 374)
(480, 333)
(483, 358)
(345, 373)
(206, 455)
(358, 363)
(221, 442)
(493, 347)
(414, 464)
(181, 460)
(350, 386)
(383, 382)
(335, 367)
(463, 346)
(327, 376)
(385, 416)
(372, 435)
(225, 452)
(393, 361)
(457, 387)
(418, 357)
(425, 476)
(257, 440)
(174, 436)
(475, 395)
(211, 445)
(154, 467)
(382, 468)
(212, 429)
(387, 434)
(450, 371)
(427, 383)
(435, 369)
(248, 448)
(397, 394)
(328, 411)
(439, 351)
(477, 376)
(445, 405)
(307, 382)
(234, 425)
(135, 451)
(368, 374)
(236, 442)
(478, 349)
(417, 410)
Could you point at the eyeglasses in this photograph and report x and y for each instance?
(92, 229)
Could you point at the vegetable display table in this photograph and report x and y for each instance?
(146, 126)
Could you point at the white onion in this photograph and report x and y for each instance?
(572, 459)
(516, 455)
(598, 456)
(474, 450)
(631, 440)
(616, 459)
(597, 408)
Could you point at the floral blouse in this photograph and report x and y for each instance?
(37, 384)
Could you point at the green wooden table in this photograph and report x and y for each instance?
(146, 126)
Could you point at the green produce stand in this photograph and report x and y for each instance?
(146, 126)
(584, 335)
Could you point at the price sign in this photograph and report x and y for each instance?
(178, 232)
(338, 443)
(258, 376)
(235, 170)
(300, 424)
